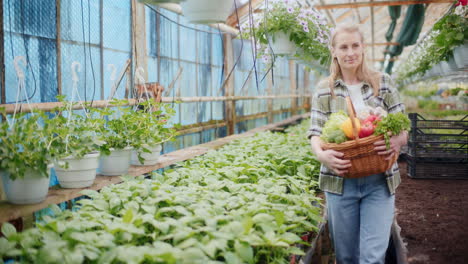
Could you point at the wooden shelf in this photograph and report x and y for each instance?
(9, 212)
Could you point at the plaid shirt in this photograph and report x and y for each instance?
(323, 105)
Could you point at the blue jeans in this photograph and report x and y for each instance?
(360, 220)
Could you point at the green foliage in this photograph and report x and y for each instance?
(447, 33)
(392, 124)
(128, 127)
(332, 132)
(248, 202)
(444, 114)
(74, 134)
(417, 93)
(306, 28)
(24, 145)
(428, 104)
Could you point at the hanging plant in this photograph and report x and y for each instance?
(448, 33)
(306, 28)
(24, 145)
(74, 134)
(127, 127)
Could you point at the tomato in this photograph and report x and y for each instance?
(372, 118)
(367, 129)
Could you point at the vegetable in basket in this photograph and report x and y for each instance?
(392, 124)
(331, 132)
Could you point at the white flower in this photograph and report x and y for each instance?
(265, 58)
(290, 10)
(306, 29)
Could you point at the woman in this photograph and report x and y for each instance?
(360, 211)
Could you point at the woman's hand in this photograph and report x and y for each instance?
(396, 142)
(333, 160)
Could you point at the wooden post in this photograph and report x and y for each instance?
(139, 37)
(2, 57)
(270, 101)
(306, 100)
(101, 48)
(59, 47)
(230, 106)
(293, 86)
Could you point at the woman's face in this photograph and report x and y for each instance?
(348, 50)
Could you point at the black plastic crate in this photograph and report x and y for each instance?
(438, 138)
(437, 168)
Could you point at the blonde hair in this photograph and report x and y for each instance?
(364, 73)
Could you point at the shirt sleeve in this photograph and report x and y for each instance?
(391, 95)
(318, 116)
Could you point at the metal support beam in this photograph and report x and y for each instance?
(372, 30)
(242, 11)
(59, 46)
(2, 57)
(380, 9)
(329, 15)
(383, 44)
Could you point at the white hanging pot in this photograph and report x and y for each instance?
(117, 163)
(31, 189)
(155, 2)
(149, 158)
(80, 172)
(460, 55)
(281, 45)
(206, 11)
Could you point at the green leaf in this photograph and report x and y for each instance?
(128, 216)
(8, 230)
(247, 223)
(279, 217)
(295, 251)
(244, 251)
(55, 209)
(290, 238)
(232, 258)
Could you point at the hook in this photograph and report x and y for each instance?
(113, 70)
(76, 67)
(19, 71)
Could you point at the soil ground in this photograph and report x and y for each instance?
(433, 216)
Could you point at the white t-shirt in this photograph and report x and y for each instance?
(356, 97)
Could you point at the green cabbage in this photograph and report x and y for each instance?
(331, 132)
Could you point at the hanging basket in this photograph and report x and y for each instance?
(149, 158)
(31, 189)
(80, 172)
(360, 151)
(460, 55)
(206, 11)
(117, 163)
(281, 45)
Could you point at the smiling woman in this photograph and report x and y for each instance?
(360, 210)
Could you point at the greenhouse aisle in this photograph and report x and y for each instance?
(433, 217)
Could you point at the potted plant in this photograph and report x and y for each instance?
(25, 160)
(284, 24)
(153, 123)
(115, 153)
(76, 144)
(206, 11)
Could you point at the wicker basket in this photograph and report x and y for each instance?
(360, 151)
